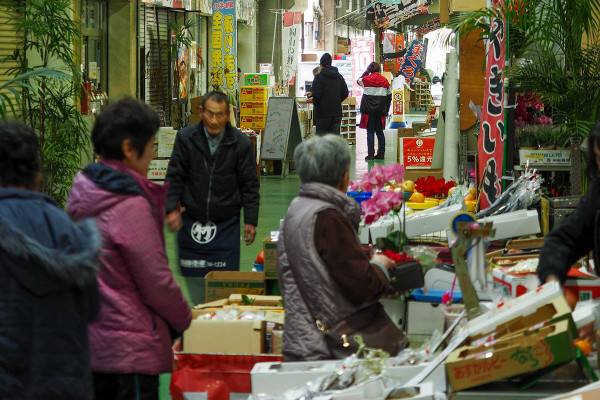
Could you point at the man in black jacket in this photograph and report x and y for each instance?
(328, 91)
(212, 177)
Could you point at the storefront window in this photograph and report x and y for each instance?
(94, 51)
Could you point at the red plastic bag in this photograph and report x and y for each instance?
(217, 375)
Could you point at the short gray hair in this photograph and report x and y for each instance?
(322, 159)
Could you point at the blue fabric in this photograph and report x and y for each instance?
(374, 127)
(204, 248)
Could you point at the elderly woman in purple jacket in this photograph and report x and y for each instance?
(141, 304)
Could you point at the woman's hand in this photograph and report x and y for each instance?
(387, 262)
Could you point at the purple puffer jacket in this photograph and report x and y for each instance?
(140, 299)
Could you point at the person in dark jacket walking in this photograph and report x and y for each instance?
(212, 177)
(48, 288)
(329, 89)
(576, 234)
(374, 107)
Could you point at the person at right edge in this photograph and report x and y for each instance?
(374, 108)
(576, 234)
(329, 89)
(326, 279)
(142, 307)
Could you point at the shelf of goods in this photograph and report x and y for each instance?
(421, 99)
(253, 107)
(348, 126)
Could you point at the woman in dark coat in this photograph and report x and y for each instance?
(48, 289)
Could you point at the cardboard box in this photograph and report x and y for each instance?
(526, 351)
(586, 289)
(466, 5)
(253, 108)
(251, 93)
(195, 118)
(233, 337)
(195, 102)
(514, 285)
(270, 258)
(414, 174)
(423, 318)
(260, 303)
(350, 101)
(308, 57)
(222, 284)
(253, 121)
(547, 303)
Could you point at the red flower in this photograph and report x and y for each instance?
(397, 257)
(431, 187)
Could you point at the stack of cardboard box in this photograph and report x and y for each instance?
(195, 102)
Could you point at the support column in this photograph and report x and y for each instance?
(122, 48)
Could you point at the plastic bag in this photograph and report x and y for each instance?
(520, 195)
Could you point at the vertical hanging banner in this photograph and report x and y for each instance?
(490, 144)
(389, 43)
(290, 42)
(412, 60)
(362, 55)
(224, 46)
(399, 46)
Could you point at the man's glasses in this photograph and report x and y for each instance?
(210, 114)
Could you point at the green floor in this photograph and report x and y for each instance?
(275, 197)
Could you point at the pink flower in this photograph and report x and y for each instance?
(393, 172)
(353, 186)
(371, 210)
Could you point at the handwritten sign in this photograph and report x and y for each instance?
(282, 129)
(224, 42)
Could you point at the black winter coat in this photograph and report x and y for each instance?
(213, 188)
(48, 294)
(329, 90)
(574, 237)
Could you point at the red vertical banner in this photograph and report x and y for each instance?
(491, 135)
(362, 55)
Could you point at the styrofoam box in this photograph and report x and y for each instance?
(273, 378)
(429, 221)
(381, 228)
(424, 318)
(396, 310)
(510, 225)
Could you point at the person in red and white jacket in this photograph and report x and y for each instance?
(374, 107)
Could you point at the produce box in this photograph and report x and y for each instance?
(259, 302)
(524, 351)
(514, 285)
(546, 303)
(194, 118)
(251, 93)
(415, 173)
(222, 284)
(232, 337)
(585, 288)
(195, 102)
(270, 258)
(253, 108)
(253, 121)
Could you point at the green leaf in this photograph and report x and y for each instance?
(247, 300)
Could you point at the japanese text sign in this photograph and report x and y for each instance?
(412, 60)
(362, 56)
(417, 152)
(224, 45)
(290, 42)
(491, 135)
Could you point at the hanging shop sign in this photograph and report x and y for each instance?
(224, 46)
(417, 152)
(491, 135)
(412, 60)
(256, 79)
(389, 42)
(429, 27)
(292, 25)
(389, 15)
(362, 56)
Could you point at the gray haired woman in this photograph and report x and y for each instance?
(330, 286)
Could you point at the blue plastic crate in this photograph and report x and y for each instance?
(434, 296)
(360, 196)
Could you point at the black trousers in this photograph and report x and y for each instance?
(328, 125)
(125, 386)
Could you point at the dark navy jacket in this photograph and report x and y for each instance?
(48, 294)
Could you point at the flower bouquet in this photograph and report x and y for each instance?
(385, 183)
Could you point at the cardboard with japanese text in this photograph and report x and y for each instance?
(525, 351)
(222, 284)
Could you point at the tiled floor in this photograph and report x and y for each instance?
(275, 197)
